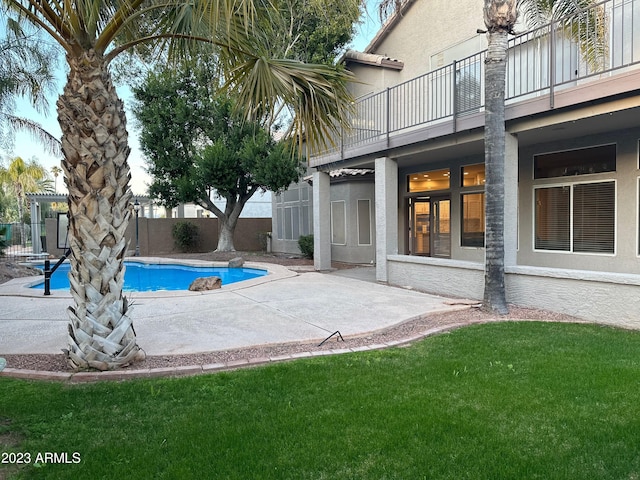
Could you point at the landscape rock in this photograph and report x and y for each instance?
(11, 270)
(237, 262)
(205, 283)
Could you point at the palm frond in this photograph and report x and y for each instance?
(316, 95)
(51, 144)
(581, 20)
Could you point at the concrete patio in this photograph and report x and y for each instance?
(283, 306)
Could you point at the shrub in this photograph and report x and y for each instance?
(305, 242)
(185, 235)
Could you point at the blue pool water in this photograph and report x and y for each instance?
(142, 277)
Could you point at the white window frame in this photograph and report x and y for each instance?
(571, 226)
(370, 222)
(344, 226)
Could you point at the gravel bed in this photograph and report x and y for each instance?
(57, 363)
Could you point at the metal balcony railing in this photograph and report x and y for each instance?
(568, 51)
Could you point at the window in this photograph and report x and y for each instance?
(575, 162)
(552, 218)
(473, 175)
(429, 181)
(364, 222)
(338, 223)
(577, 217)
(472, 234)
(468, 85)
(291, 219)
(306, 221)
(279, 220)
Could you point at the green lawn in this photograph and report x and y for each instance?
(498, 401)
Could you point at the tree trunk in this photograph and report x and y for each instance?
(94, 142)
(500, 16)
(229, 220)
(225, 240)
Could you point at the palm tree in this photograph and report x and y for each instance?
(500, 18)
(26, 69)
(95, 140)
(24, 177)
(56, 171)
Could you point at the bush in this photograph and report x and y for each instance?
(305, 242)
(185, 235)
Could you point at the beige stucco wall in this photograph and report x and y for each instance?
(350, 193)
(608, 298)
(426, 28)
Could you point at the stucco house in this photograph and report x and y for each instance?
(572, 200)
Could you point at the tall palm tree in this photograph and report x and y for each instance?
(24, 177)
(56, 172)
(95, 142)
(500, 17)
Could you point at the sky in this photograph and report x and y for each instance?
(27, 148)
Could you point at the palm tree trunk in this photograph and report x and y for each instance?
(94, 142)
(500, 16)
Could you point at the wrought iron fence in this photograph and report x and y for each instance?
(590, 43)
(22, 241)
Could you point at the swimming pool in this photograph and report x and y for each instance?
(151, 277)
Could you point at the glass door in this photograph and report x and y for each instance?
(420, 241)
(441, 235)
(430, 227)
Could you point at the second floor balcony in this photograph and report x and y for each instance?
(590, 56)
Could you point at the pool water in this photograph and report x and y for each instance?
(142, 277)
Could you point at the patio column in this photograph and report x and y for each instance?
(35, 226)
(321, 221)
(511, 200)
(386, 205)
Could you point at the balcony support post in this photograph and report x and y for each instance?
(510, 199)
(321, 222)
(386, 207)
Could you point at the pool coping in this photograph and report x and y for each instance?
(20, 287)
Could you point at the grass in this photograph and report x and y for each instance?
(499, 401)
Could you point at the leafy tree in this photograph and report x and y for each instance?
(196, 144)
(26, 70)
(316, 31)
(92, 34)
